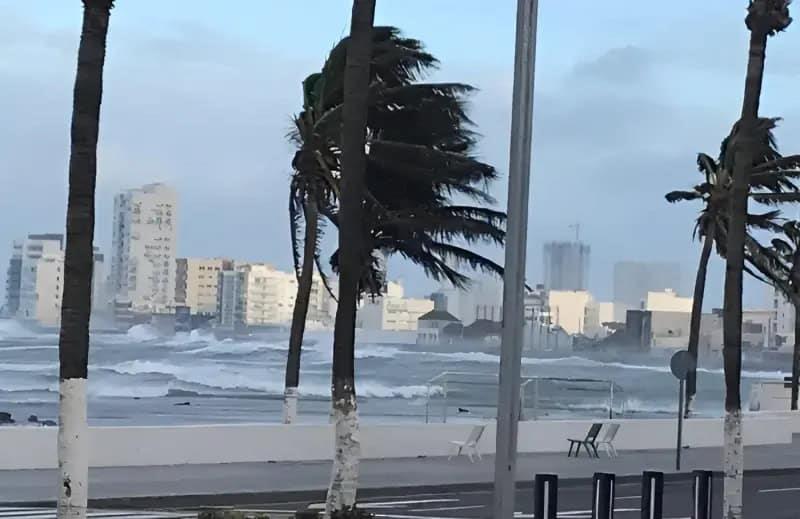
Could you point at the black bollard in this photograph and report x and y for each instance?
(603, 496)
(652, 495)
(703, 492)
(545, 496)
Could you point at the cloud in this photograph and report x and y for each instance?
(621, 65)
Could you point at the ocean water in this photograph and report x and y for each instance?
(140, 378)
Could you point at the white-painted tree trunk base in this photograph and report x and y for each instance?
(73, 452)
(344, 476)
(290, 397)
(733, 466)
(689, 406)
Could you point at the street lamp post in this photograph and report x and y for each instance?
(508, 406)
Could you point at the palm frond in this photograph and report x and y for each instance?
(461, 256)
(769, 221)
(706, 164)
(775, 198)
(680, 196)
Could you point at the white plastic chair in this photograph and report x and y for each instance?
(470, 445)
(608, 440)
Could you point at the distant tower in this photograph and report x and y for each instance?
(566, 265)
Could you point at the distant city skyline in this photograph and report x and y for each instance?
(202, 99)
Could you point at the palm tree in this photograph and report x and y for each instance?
(347, 447)
(787, 249)
(771, 182)
(73, 344)
(420, 143)
(315, 183)
(764, 18)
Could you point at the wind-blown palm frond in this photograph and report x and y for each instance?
(395, 61)
(775, 198)
(681, 196)
(769, 221)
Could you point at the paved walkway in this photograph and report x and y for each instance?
(50, 513)
(238, 478)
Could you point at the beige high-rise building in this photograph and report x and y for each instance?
(197, 282)
(144, 247)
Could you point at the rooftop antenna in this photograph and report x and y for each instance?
(577, 227)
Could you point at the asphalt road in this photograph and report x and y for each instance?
(767, 496)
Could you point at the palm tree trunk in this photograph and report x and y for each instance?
(73, 344)
(290, 394)
(796, 357)
(347, 450)
(697, 314)
(733, 463)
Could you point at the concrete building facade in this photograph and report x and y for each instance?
(572, 310)
(230, 299)
(13, 280)
(197, 282)
(566, 265)
(634, 279)
(667, 301)
(392, 310)
(783, 324)
(49, 289)
(34, 248)
(482, 299)
(144, 245)
(268, 295)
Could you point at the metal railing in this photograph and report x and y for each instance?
(532, 403)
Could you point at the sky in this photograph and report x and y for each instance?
(200, 95)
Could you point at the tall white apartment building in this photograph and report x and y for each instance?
(143, 251)
(41, 278)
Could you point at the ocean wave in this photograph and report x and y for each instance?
(240, 348)
(575, 361)
(11, 329)
(323, 353)
(137, 334)
(635, 405)
(468, 356)
(28, 367)
(225, 379)
(27, 385)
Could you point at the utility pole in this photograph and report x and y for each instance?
(508, 405)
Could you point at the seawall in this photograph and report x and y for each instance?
(35, 447)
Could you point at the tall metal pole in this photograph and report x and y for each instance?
(681, 393)
(516, 245)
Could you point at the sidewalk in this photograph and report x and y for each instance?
(240, 478)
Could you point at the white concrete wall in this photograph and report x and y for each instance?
(668, 301)
(568, 309)
(35, 447)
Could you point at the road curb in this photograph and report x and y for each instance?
(301, 497)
